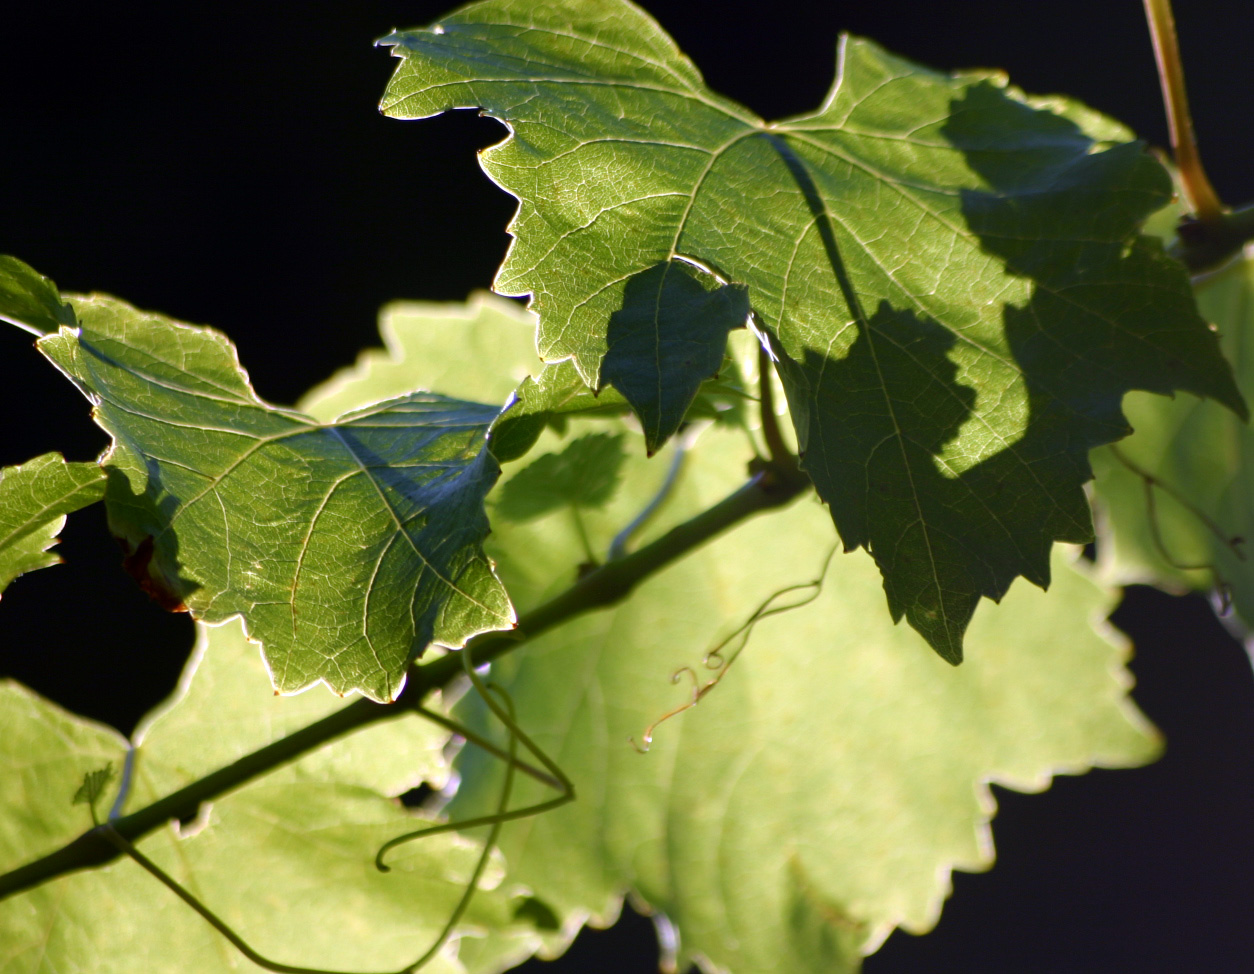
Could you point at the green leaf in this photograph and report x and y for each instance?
(821, 793)
(951, 279)
(221, 711)
(30, 300)
(348, 546)
(548, 399)
(583, 475)
(287, 861)
(1202, 460)
(34, 501)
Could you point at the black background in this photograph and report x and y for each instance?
(229, 167)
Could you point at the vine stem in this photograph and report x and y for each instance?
(772, 486)
(1202, 197)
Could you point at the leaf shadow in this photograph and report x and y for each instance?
(875, 424)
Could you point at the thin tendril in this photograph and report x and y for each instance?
(504, 710)
(715, 659)
(558, 780)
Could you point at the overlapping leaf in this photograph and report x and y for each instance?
(34, 500)
(287, 861)
(819, 794)
(951, 277)
(347, 546)
(1178, 495)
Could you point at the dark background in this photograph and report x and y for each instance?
(230, 169)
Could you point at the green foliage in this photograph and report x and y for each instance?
(29, 300)
(34, 500)
(584, 474)
(348, 546)
(835, 730)
(948, 281)
(1176, 495)
(955, 290)
(288, 861)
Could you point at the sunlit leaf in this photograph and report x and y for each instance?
(348, 546)
(34, 500)
(950, 276)
(29, 300)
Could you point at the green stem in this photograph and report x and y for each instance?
(1203, 199)
(769, 488)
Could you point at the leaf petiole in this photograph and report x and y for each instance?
(1202, 197)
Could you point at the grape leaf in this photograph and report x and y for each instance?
(1200, 456)
(29, 300)
(287, 860)
(951, 278)
(347, 546)
(820, 794)
(34, 500)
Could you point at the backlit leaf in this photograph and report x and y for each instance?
(34, 500)
(951, 277)
(348, 547)
(1195, 527)
(820, 794)
(287, 860)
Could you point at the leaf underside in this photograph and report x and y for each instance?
(816, 797)
(347, 546)
(288, 860)
(34, 501)
(951, 278)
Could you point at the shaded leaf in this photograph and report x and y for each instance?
(1201, 458)
(585, 474)
(34, 501)
(348, 547)
(952, 278)
(669, 336)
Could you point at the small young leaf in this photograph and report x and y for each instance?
(93, 787)
(348, 547)
(34, 500)
(951, 277)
